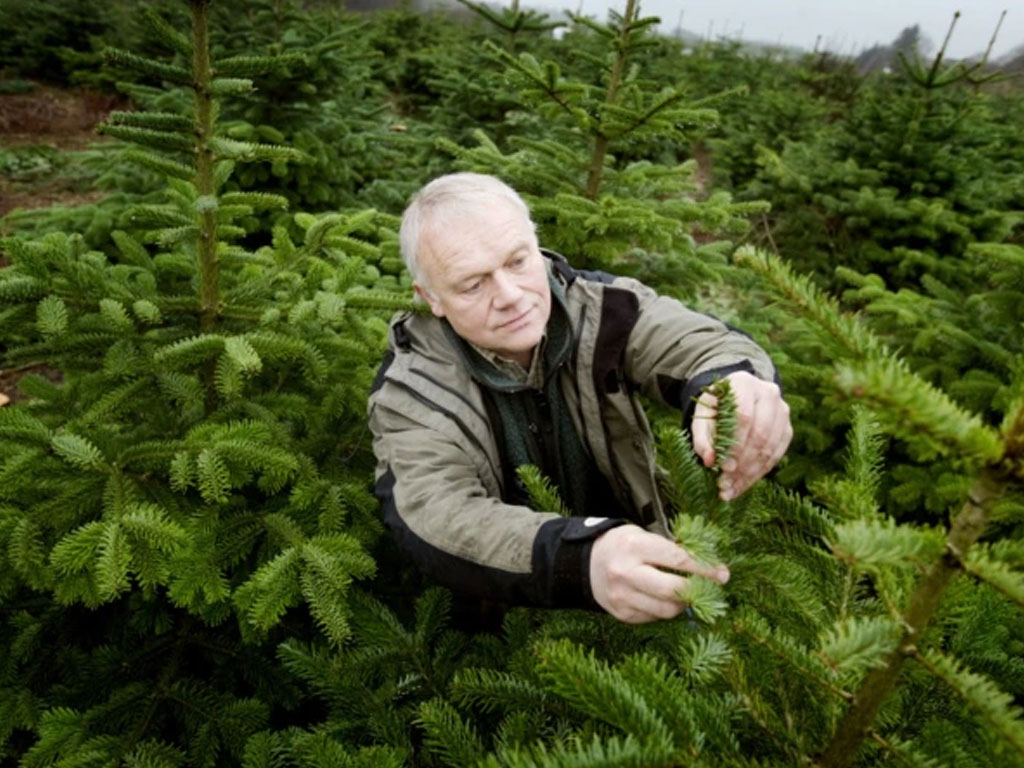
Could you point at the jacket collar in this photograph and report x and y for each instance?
(555, 347)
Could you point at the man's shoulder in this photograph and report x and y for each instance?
(568, 275)
(417, 339)
(601, 303)
(420, 368)
(592, 285)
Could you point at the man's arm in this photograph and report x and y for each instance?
(673, 353)
(444, 518)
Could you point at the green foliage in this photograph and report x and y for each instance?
(903, 202)
(594, 191)
(319, 76)
(513, 21)
(542, 493)
(726, 421)
(936, 430)
(448, 735)
(202, 459)
(26, 163)
(995, 706)
(386, 680)
(39, 41)
(186, 534)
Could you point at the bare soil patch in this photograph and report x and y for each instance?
(65, 119)
(9, 380)
(55, 191)
(702, 177)
(61, 119)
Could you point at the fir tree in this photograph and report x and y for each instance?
(197, 479)
(455, 85)
(903, 181)
(597, 208)
(327, 97)
(933, 427)
(513, 21)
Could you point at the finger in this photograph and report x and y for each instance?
(663, 553)
(753, 459)
(785, 434)
(658, 584)
(703, 428)
(640, 608)
(779, 434)
(745, 398)
(749, 471)
(768, 441)
(728, 487)
(741, 484)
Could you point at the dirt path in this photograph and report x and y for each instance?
(702, 155)
(61, 118)
(53, 120)
(45, 123)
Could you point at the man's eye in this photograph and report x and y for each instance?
(472, 287)
(517, 262)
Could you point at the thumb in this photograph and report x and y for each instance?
(703, 428)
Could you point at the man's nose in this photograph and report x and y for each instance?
(506, 290)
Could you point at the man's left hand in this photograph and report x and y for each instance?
(762, 435)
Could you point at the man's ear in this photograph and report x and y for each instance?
(430, 298)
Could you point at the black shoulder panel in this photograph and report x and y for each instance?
(619, 312)
(595, 275)
(378, 380)
(402, 338)
(562, 266)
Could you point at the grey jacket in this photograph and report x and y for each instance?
(439, 474)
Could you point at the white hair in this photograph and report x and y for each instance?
(455, 194)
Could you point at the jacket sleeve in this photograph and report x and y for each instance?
(442, 516)
(673, 352)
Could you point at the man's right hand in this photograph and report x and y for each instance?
(627, 580)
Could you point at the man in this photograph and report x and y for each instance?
(525, 360)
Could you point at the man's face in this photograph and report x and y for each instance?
(485, 273)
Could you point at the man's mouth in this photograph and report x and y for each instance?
(514, 320)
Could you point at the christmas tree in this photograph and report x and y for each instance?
(193, 484)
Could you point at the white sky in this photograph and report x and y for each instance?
(845, 26)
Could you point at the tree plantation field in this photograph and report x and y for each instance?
(198, 261)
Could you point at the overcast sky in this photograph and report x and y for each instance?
(844, 25)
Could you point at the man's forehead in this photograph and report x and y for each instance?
(449, 242)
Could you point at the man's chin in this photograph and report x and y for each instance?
(525, 339)
(512, 348)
